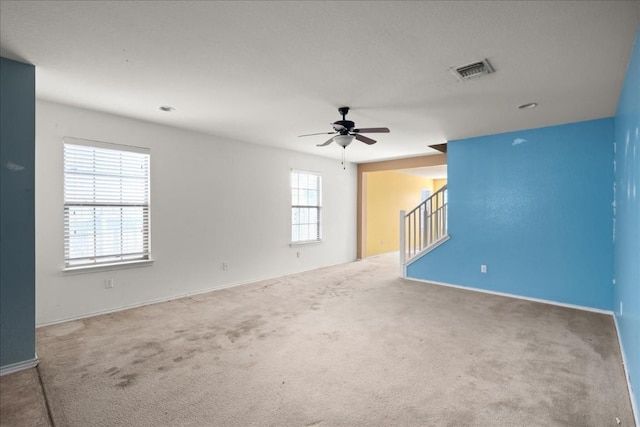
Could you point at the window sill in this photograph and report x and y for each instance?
(306, 242)
(106, 267)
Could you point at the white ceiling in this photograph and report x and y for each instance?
(265, 72)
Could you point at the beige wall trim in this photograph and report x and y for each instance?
(411, 162)
(386, 165)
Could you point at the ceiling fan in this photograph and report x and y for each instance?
(345, 130)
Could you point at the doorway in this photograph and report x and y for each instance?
(397, 186)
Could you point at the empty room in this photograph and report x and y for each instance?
(320, 213)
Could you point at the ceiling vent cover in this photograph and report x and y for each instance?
(475, 69)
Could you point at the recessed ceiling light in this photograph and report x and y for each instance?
(166, 108)
(528, 106)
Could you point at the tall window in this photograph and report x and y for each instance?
(106, 203)
(306, 202)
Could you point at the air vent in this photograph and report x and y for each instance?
(475, 69)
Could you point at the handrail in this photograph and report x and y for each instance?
(423, 226)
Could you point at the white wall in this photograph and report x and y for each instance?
(212, 200)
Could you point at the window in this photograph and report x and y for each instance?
(306, 201)
(106, 203)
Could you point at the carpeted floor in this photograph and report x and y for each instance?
(22, 403)
(350, 345)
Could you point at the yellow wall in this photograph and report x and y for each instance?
(438, 184)
(387, 193)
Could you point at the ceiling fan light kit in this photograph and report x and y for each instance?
(343, 140)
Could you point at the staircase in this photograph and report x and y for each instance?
(423, 229)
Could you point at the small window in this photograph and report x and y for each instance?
(106, 204)
(306, 203)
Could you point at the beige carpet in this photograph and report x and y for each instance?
(351, 345)
(21, 401)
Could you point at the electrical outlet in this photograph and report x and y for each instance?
(225, 265)
(108, 284)
(483, 268)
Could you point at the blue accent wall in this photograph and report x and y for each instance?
(17, 214)
(627, 220)
(535, 207)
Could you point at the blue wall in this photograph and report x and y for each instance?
(17, 215)
(627, 238)
(535, 207)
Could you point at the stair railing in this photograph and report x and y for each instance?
(424, 226)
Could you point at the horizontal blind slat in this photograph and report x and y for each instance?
(106, 212)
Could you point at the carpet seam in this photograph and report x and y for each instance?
(46, 399)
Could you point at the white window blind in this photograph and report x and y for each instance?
(106, 203)
(306, 203)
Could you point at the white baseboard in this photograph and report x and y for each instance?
(178, 296)
(636, 410)
(141, 304)
(504, 294)
(19, 366)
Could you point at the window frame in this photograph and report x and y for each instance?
(317, 207)
(127, 259)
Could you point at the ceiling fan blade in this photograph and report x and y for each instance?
(365, 139)
(371, 130)
(326, 143)
(319, 133)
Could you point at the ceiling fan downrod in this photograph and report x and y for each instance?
(344, 111)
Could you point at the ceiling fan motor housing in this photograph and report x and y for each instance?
(343, 126)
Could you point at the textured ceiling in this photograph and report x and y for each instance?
(265, 72)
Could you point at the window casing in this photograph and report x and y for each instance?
(106, 204)
(306, 207)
